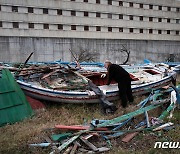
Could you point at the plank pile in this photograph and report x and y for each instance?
(96, 137)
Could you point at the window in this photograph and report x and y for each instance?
(30, 10)
(98, 1)
(110, 16)
(31, 25)
(168, 20)
(15, 25)
(45, 11)
(0, 23)
(159, 31)
(177, 21)
(131, 30)
(46, 26)
(159, 19)
(151, 7)
(60, 26)
(98, 14)
(169, 8)
(150, 31)
(59, 12)
(120, 3)
(86, 28)
(141, 18)
(14, 9)
(140, 5)
(177, 32)
(120, 16)
(73, 27)
(141, 31)
(110, 2)
(86, 14)
(130, 4)
(0, 7)
(85, 0)
(120, 29)
(73, 0)
(98, 28)
(177, 9)
(160, 7)
(150, 18)
(168, 31)
(73, 13)
(109, 29)
(130, 17)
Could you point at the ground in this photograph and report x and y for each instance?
(15, 138)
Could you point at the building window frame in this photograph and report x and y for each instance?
(59, 12)
(45, 11)
(141, 18)
(150, 6)
(15, 24)
(131, 30)
(120, 16)
(120, 29)
(60, 27)
(120, 3)
(141, 30)
(45, 26)
(109, 29)
(31, 25)
(130, 4)
(98, 28)
(73, 27)
(86, 28)
(98, 14)
(150, 31)
(141, 5)
(14, 8)
(30, 10)
(98, 1)
(73, 13)
(131, 17)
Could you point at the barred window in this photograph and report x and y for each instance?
(168, 31)
(60, 26)
(86, 28)
(110, 2)
(14, 9)
(86, 14)
(177, 32)
(15, 25)
(73, 13)
(85, 0)
(159, 31)
(45, 11)
(140, 5)
(59, 12)
(121, 29)
(141, 31)
(177, 21)
(150, 18)
(159, 19)
(46, 26)
(151, 7)
(141, 18)
(98, 28)
(130, 17)
(98, 14)
(150, 31)
(169, 8)
(1, 24)
(109, 29)
(131, 30)
(160, 7)
(120, 16)
(30, 10)
(31, 25)
(98, 1)
(177, 9)
(130, 4)
(168, 20)
(73, 27)
(120, 3)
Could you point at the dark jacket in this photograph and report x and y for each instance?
(117, 73)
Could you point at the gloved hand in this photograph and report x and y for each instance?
(103, 75)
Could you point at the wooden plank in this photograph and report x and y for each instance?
(78, 127)
(75, 147)
(89, 144)
(68, 150)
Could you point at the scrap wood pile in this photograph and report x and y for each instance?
(96, 137)
(52, 76)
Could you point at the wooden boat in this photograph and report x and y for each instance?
(144, 79)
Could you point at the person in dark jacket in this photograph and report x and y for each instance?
(122, 77)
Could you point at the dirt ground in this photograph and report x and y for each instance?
(16, 138)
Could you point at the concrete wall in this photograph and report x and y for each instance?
(17, 49)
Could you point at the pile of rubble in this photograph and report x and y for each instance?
(96, 136)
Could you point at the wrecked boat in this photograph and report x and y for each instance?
(58, 83)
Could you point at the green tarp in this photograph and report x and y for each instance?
(13, 104)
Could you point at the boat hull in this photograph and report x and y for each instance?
(85, 97)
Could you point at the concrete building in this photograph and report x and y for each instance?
(50, 28)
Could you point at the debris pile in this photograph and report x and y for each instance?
(96, 136)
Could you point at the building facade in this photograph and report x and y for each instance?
(50, 28)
